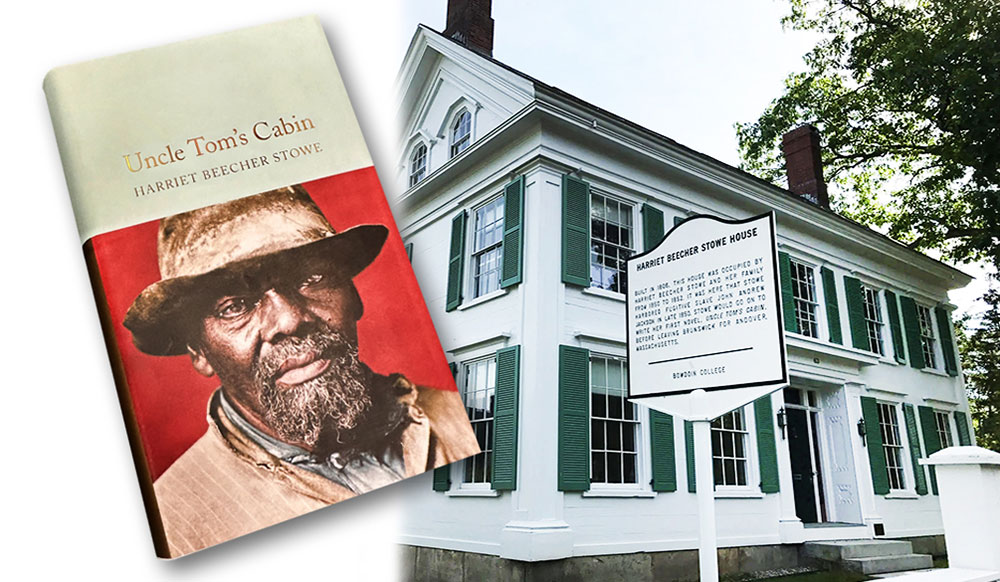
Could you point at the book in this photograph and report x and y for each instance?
(270, 346)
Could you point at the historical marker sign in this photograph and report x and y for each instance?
(704, 311)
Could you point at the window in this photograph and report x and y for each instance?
(614, 423)
(944, 429)
(729, 449)
(461, 133)
(487, 247)
(892, 444)
(479, 393)
(927, 339)
(418, 164)
(873, 319)
(611, 236)
(804, 293)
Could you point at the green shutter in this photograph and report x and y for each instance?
(947, 345)
(442, 478)
(911, 327)
(456, 256)
(932, 441)
(767, 450)
(662, 439)
(689, 448)
(505, 419)
(652, 226)
(409, 252)
(911, 434)
(832, 306)
(787, 299)
(856, 313)
(962, 424)
(678, 220)
(513, 237)
(895, 327)
(574, 419)
(575, 231)
(873, 436)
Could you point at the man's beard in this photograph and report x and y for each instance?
(329, 406)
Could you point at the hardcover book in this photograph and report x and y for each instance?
(270, 346)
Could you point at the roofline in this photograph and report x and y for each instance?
(558, 93)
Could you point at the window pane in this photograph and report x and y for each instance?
(614, 468)
(614, 424)
(611, 241)
(478, 392)
(630, 474)
(598, 404)
(615, 407)
(597, 434)
(891, 445)
(598, 474)
(804, 295)
(729, 449)
(614, 436)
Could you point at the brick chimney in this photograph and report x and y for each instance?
(803, 164)
(470, 23)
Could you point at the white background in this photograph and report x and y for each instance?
(71, 506)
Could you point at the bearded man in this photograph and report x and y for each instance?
(259, 292)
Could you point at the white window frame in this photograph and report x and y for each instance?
(464, 370)
(934, 337)
(945, 434)
(641, 437)
(752, 487)
(880, 311)
(905, 474)
(636, 236)
(466, 139)
(815, 302)
(413, 179)
(472, 257)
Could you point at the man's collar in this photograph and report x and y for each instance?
(279, 449)
(395, 404)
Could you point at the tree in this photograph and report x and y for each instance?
(906, 95)
(981, 366)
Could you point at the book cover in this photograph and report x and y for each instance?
(270, 346)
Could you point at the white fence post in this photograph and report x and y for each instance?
(969, 485)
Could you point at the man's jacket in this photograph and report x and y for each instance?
(226, 485)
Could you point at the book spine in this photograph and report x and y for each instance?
(125, 400)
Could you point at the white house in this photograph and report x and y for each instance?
(519, 203)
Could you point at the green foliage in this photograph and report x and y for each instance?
(981, 363)
(906, 95)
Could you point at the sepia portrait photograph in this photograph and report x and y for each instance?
(278, 357)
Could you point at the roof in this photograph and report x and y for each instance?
(656, 136)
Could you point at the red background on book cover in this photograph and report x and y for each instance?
(394, 335)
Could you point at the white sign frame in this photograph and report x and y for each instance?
(722, 397)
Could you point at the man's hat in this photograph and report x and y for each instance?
(200, 249)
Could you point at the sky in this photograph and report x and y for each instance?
(687, 70)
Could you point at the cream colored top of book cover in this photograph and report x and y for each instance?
(159, 131)
(270, 344)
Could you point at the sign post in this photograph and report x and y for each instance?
(708, 562)
(705, 335)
